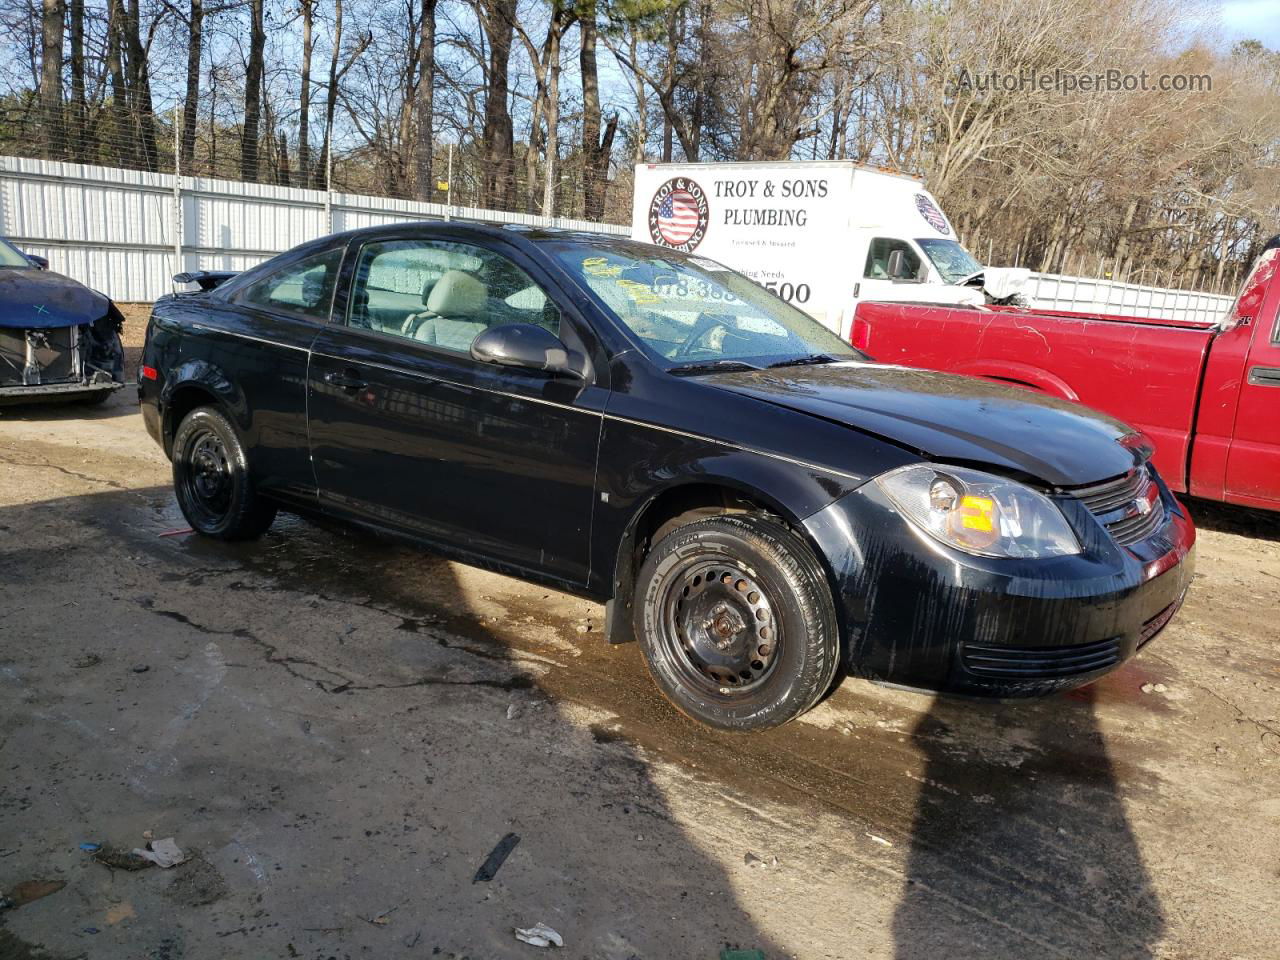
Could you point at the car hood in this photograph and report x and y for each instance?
(40, 299)
(961, 420)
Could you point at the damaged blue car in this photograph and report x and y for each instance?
(59, 340)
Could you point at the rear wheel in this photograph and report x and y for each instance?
(737, 622)
(211, 479)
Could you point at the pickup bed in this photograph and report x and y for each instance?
(1208, 396)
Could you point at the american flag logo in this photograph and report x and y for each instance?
(678, 214)
(932, 214)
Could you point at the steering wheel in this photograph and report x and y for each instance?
(705, 324)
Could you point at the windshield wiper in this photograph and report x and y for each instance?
(806, 361)
(709, 366)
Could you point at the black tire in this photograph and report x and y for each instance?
(211, 479)
(751, 646)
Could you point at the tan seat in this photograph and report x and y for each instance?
(455, 314)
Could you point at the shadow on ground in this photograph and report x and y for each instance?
(1229, 518)
(1039, 857)
(341, 757)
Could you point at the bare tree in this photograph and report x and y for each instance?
(252, 92)
(55, 14)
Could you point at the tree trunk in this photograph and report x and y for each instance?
(122, 137)
(596, 153)
(642, 108)
(498, 180)
(552, 116)
(79, 111)
(304, 96)
(337, 71)
(55, 13)
(424, 103)
(283, 176)
(138, 78)
(191, 105)
(253, 93)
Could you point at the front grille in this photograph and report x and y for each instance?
(1116, 504)
(990, 660)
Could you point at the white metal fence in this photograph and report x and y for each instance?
(127, 233)
(1046, 291)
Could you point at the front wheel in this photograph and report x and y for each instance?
(211, 479)
(737, 623)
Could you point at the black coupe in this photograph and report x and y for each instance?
(757, 503)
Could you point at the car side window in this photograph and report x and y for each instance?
(443, 293)
(304, 288)
(878, 258)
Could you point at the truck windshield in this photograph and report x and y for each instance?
(697, 314)
(10, 256)
(952, 261)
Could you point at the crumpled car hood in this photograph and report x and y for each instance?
(38, 299)
(951, 418)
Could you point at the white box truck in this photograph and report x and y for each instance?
(823, 235)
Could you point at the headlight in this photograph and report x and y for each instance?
(980, 513)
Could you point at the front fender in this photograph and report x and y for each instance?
(645, 468)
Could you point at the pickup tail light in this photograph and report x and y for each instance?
(147, 373)
(860, 336)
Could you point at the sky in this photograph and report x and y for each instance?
(1259, 19)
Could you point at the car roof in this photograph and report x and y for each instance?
(534, 234)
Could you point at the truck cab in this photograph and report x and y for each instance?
(898, 269)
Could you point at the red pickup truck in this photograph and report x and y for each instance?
(1208, 395)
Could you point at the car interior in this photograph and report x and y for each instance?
(455, 297)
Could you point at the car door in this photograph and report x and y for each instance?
(262, 332)
(1253, 463)
(408, 431)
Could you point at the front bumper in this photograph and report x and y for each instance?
(34, 393)
(917, 613)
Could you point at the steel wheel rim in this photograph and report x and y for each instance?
(207, 476)
(719, 627)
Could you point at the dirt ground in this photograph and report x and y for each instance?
(339, 731)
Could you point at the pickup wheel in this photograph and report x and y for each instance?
(737, 622)
(211, 479)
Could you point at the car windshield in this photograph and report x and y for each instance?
(11, 256)
(696, 314)
(952, 261)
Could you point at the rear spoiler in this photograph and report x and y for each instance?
(207, 279)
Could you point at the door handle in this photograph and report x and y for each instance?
(1264, 376)
(346, 379)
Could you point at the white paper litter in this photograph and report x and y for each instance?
(163, 853)
(540, 935)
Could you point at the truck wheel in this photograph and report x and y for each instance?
(211, 479)
(737, 622)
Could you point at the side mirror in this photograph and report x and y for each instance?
(528, 346)
(898, 269)
(39, 262)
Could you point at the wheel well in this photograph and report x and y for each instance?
(670, 509)
(184, 400)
